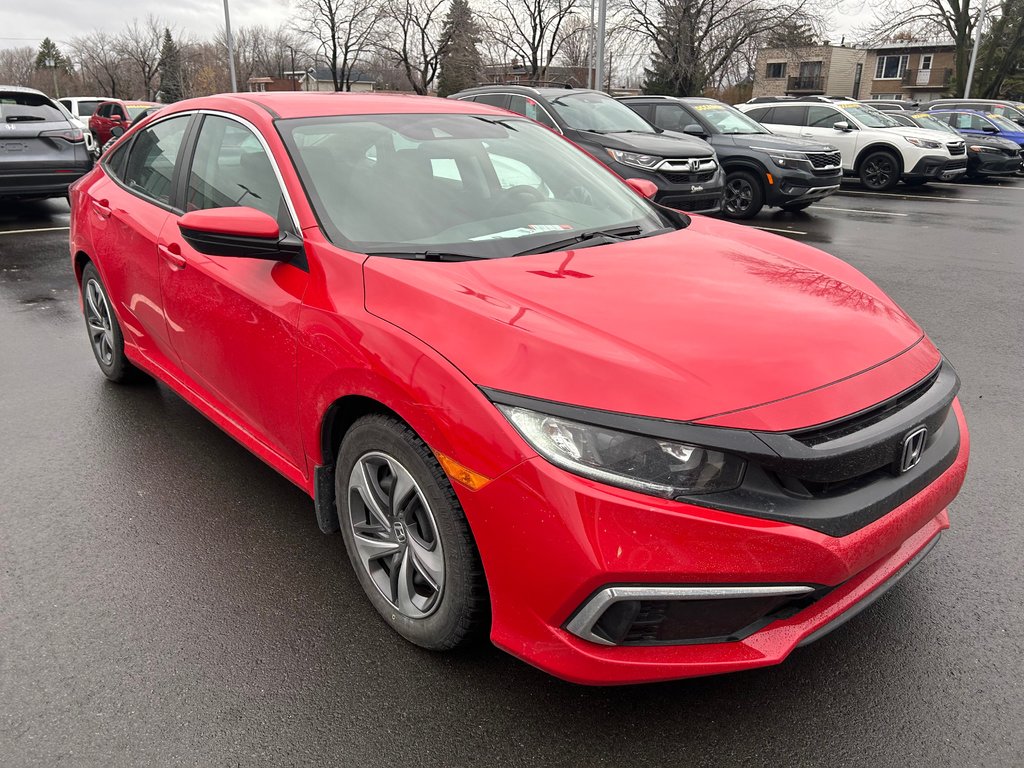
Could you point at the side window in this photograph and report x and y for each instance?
(229, 168)
(790, 116)
(761, 114)
(154, 152)
(103, 111)
(114, 161)
(822, 117)
(671, 117)
(117, 112)
(531, 109)
(962, 121)
(494, 99)
(67, 105)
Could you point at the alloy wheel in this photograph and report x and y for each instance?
(738, 195)
(101, 328)
(878, 172)
(395, 535)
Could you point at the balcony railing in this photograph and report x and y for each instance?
(806, 84)
(927, 78)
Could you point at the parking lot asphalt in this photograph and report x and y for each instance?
(167, 599)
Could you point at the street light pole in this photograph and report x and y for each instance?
(602, 14)
(231, 48)
(974, 53)
(590, 47)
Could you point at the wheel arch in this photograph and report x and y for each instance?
(79, 261)
(879, 146)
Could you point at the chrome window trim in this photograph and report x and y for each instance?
(582, 623)
(270, 155)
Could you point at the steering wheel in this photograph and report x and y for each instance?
(524, 193)
(579, 194)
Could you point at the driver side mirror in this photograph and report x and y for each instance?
(117, 131)
(239, 231)
(843, 126)
(989, 129)
(693, 129)
(643, 187)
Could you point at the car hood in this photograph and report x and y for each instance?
(661, 144)
(773, 141)
(989, 141)
(687, 326)
(925, 133)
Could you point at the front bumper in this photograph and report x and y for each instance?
(800, 188)
(992, 164)
(937, 168)
(552, 540)
(699, 195)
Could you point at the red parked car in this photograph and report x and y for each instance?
(115, 114)
(630, 444)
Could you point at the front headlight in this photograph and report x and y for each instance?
(979, 148)
(635, 159)
(785, 159)
(646, 464)
(923, 143)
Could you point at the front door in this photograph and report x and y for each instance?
(819, 127)
(232, 320)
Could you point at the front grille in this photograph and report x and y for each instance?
(825, 159)
(688, 178)
(957, 148)
(692, 204)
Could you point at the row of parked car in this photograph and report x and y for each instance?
(701, 155)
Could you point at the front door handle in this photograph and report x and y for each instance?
(172, 255)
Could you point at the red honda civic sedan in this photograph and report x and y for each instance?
(630, 444)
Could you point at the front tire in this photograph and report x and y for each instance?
(407, 537)
(880, 171)
(743, 196)
(105, 335)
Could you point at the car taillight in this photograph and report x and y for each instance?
(74, 135)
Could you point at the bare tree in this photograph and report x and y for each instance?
(139, 46)
(17, 65)
(103, 68)
(413, 38)
(342, 29)
(532, 31)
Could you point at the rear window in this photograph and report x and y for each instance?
(28, 107)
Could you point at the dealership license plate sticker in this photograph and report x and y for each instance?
(708, 107)
(529, 229)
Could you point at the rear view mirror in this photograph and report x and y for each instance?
(238, 231)
(643, 187)
(694, 130)
(842, 125)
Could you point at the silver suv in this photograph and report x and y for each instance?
(41, 151)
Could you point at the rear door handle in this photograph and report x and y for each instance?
(102, 208)
(172, 256)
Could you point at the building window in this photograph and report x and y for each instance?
(891, 67)
(776, 70)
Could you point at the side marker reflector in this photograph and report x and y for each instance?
(770, 179)
(460, 474)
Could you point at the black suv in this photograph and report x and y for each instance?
(761, 168)
(685, 169)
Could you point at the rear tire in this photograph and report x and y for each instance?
(104, 331)
(879, 171)
(407, 537)
(743, 196)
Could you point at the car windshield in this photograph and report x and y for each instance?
(725, 119)
(473, 185)
(867, 116)
(1004, 123)
(598, 113)
(18, 107)
(924, 120)
(134, 110)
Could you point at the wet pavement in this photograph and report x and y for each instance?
(167, 599)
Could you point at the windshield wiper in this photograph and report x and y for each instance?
(428, 255)
(616, 235)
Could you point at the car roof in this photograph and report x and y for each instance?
(298, 104)
(21, 89)
(547, 91)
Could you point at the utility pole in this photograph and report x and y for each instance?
(977, 44)
(590, 48)
(602, 18)
(231, 48)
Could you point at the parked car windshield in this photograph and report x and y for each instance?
(725, 119)
(598, 113)
(134, 110)
(924, 120)
(869, 117)
(17, 107)
(482, 186)
(1004, 123)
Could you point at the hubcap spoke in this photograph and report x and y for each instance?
(371, 548)
(429, 563)
(364, 483)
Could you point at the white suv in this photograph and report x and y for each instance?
(875, 147)
(81, 109)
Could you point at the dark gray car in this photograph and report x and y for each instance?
(41, 151)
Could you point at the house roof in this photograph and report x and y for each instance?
(354, 76)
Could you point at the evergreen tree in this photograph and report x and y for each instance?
(50, 57)
(461, 63)
(171, 88)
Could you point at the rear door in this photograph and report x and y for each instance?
(786, 120)
(232, 320)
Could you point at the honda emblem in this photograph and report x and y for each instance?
(913, 447)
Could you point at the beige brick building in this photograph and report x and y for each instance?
(822, 70)
(917, 71)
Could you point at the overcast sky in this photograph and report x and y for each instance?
(29, 21)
